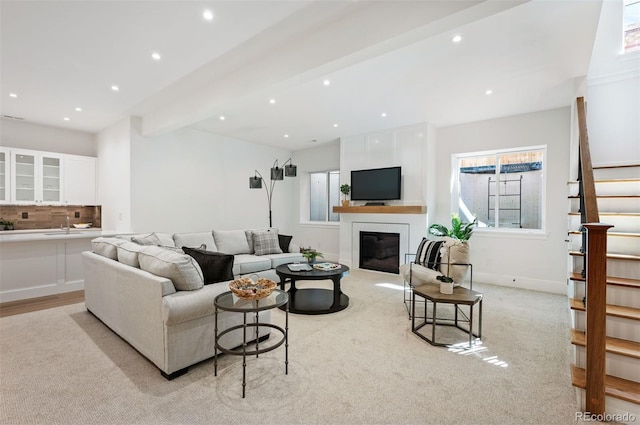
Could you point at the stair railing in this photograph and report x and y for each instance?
(594, 247)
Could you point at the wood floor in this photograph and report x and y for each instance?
(41, 303)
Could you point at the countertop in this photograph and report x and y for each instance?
(52, 234)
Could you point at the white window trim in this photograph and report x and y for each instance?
(455, 190)
(305, 201)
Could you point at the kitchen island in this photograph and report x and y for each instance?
(36, 263)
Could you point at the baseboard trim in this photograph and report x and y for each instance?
(522, 282)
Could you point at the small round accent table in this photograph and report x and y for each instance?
(314, 300)
(229, 302)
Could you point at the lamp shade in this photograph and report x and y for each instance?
(290, 170)
(255, 182)
(277, 173)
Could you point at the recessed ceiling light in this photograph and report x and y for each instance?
(208, 15)
(66, 118)
(489, 91)
(457, 38)
(286, 135)
(155, 56)
(326, 82)
(115, 88)
(272, 101)
(335, 125)
(222, 118)
(384, 114)
(13, 95)
(79, 109)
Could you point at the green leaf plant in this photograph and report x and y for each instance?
(459, 229)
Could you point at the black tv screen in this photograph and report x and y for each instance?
(379, 184)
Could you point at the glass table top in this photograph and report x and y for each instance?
(228, 301)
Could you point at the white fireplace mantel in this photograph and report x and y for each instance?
(412, 226)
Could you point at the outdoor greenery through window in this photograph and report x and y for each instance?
(324, 194)
(631, 25)
(504, 189)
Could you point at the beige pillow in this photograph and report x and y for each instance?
(128, 253)
(182, 269)
(107, 247)
(459, 254)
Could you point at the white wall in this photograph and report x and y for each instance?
(25, 135)
(512, 259)
(323, 237)
(192, 180)
(114, 174)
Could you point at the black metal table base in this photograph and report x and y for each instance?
(316, 301)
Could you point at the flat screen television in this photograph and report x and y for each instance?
(378, 184)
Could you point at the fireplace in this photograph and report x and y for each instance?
(380, 251)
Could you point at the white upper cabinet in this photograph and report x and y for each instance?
(79, 180)
(36, 177)
(5, 180)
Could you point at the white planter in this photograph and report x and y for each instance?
(446, 288)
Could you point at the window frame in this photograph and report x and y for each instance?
(455, 188)
(307, 213)
(626, 4)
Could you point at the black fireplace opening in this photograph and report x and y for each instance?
(380, 251)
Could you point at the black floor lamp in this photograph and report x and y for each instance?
(277, 173)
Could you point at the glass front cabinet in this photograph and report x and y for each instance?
(5, 161)
(36, 177)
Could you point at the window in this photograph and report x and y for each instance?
(504, 189)
(631, 25)
(324, 193)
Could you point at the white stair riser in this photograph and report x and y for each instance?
(629, 413)
(611, 204)
(618, 268)
(609, 188)
(615, 244)
(616, 295)
(617, 327)
(620, 223)
(620, 366)
(616, 173)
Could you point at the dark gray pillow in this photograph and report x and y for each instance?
(284, 242)
(216, 266)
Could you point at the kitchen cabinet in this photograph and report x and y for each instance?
(79, 180)
(36, 177)
(5, 188)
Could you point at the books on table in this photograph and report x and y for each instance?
(326, 266)
(299, 267)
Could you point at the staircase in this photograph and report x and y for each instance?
(618, 201)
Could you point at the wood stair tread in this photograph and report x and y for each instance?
(616, 234)
(622, 389)
(604, 167)
(618, 346)
(612, 310)
(607, 196)
(611, 256)
(625, 214)
(621, 180)
(611, 280)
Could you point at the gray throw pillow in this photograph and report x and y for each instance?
(266, 242)
(150, 239)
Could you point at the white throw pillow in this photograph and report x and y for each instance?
(128, 254)
(459, 254)
(196, 239)
(231, 241)
(182, 269)
(107, 247)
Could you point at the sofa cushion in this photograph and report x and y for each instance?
(247, 263)
(196, 239)
(284, 242)
(266, 242)
(216, 266)
(107, 247)
(231, 241)
(182, 269)
(128, 253)
(284, 258)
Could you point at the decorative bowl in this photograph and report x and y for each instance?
(247, 289)
(82, 225)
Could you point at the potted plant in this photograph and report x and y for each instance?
(345, 189)
(461, 232)
(310, 254)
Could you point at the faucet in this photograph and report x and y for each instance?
(68, 225)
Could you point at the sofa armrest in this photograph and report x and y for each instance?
(184, 306)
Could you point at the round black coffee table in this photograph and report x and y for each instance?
(314, 300)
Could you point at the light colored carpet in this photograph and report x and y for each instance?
(359, 366)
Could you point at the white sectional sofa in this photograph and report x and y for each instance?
(158, 299)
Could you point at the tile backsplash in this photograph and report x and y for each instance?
(49, 216)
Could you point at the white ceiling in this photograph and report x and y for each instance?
(395, 57)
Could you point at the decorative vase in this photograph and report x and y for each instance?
(446, 288)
